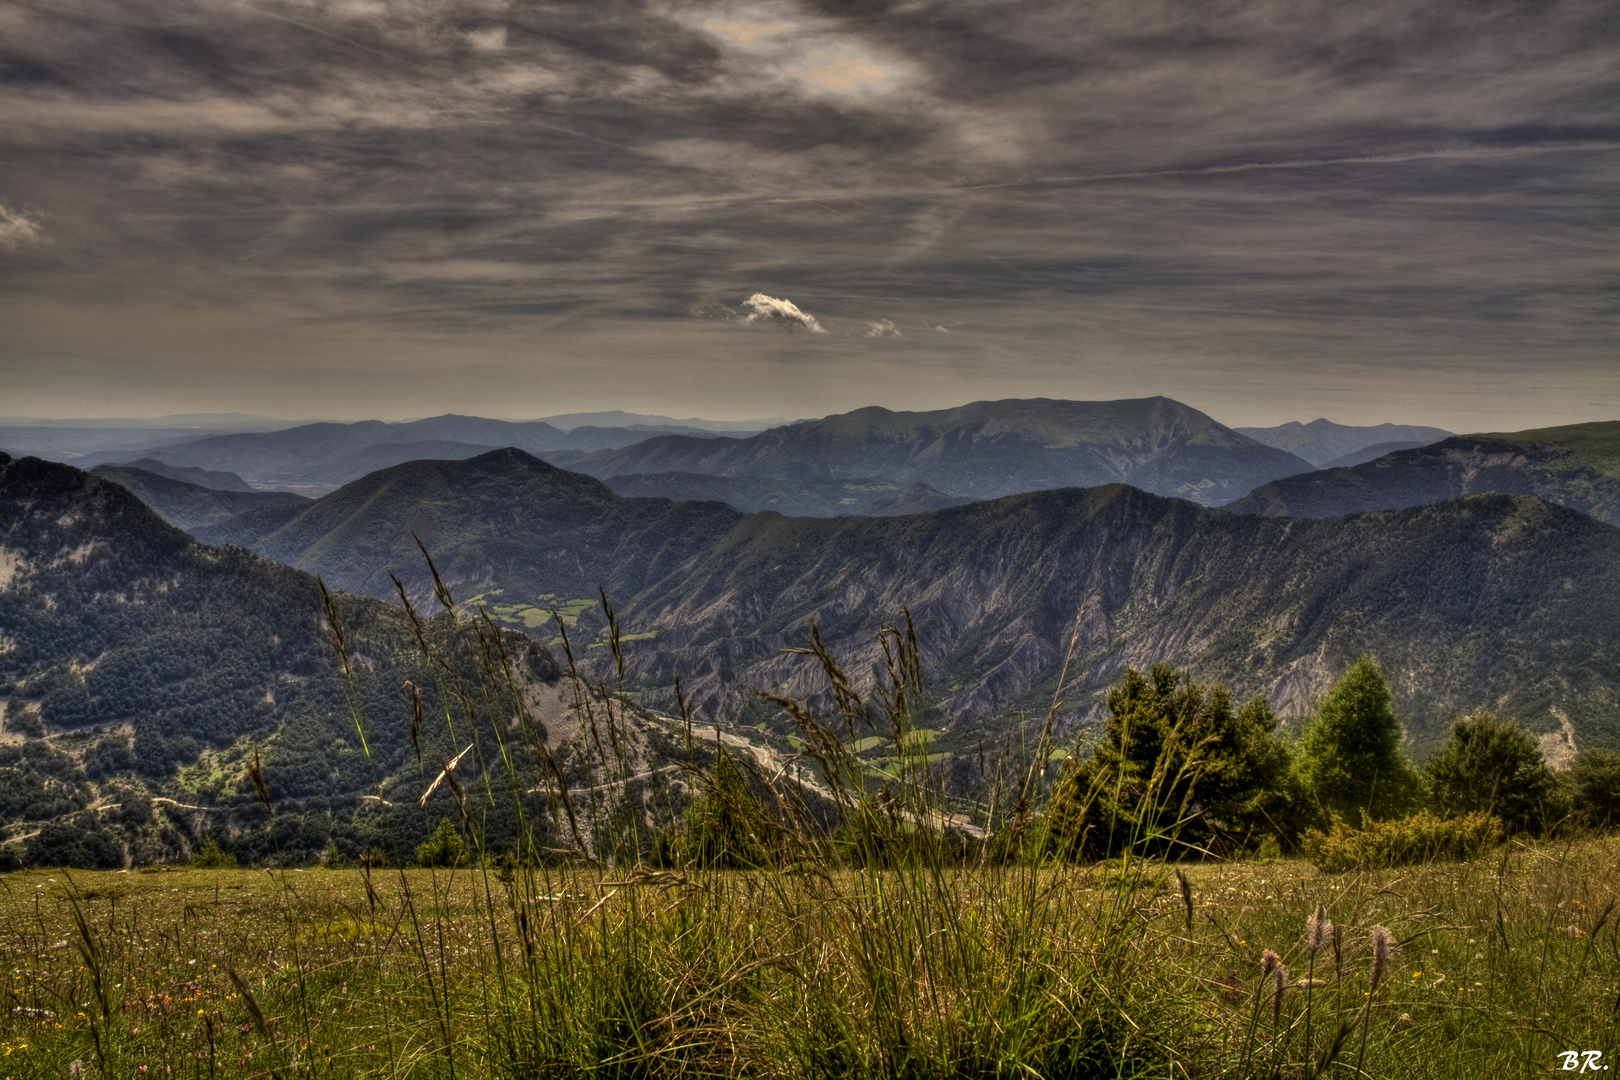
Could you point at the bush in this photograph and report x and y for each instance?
(1419, 838)
(211, 857)
(443, 849)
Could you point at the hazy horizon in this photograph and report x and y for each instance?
(1388, 212)
(717, 416)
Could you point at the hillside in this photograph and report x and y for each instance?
(1489, 601)
(981, 451)
(218, 481)
(1323, 443)
(140, 669)
(826, 498)
(1577, 466)
(1493, 601)
(191, 506)
(1372, 453)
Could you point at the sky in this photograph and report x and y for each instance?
(1374, 211)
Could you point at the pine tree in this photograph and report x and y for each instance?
(1594, 780)
(726, 826)
(1351, 758)
(1177, 768)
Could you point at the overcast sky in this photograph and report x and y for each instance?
(1404, 211)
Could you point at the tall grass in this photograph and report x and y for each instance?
(868, 932)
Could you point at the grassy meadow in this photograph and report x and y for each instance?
(1499, 965)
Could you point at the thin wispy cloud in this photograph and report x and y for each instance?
(1283, 201)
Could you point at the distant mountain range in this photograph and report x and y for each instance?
(140, 673)
(1577, 466)
(1327, 445)
(825, 498)
(315, 458)
(980, 451)
(210, 422)
(647, 422)
(1498, 601)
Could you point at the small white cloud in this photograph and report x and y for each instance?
(783, 312)
(883, 328)
(19, 229)
(491, 39)
(942, 329)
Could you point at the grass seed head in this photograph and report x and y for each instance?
(1383, 946)
(1317, 929)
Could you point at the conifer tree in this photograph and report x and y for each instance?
(1351, 758)
(726, 826)
(443, 849)
(1594, 780)
(1493, 766)
(1177, 769)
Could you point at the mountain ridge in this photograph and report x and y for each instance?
(1322, 442)
(191, 506)
(1576, 465)
(323, 456)
(982, 450)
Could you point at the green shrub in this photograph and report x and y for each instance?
(443, 849)
(210, 857)
(1419, 838)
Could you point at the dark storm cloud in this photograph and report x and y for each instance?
(1243, 184)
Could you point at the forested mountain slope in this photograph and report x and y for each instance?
(1489, 602)
(190, 506)
(1577, 466)
(139, 666)
(983, 450)
(1493, 601)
